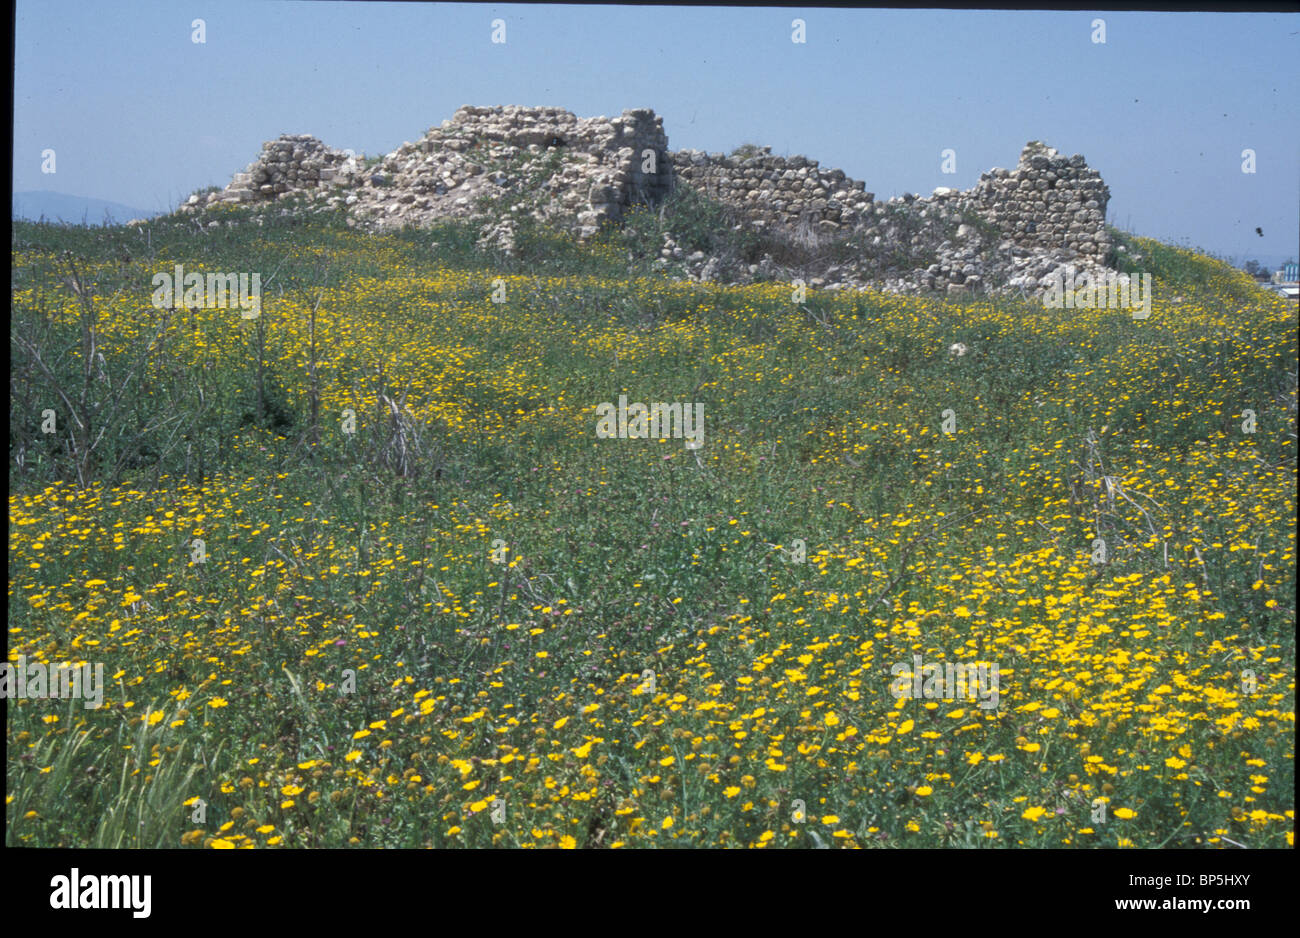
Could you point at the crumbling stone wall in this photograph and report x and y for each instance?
(291, 163)
(571, 171)
(1048, 201)
(605, 165)
(773, 190)
(578, 173)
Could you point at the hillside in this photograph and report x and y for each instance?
(362, 570)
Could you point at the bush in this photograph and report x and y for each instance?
(750, 150)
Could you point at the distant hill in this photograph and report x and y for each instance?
(73, 209)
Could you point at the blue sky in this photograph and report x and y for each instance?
(137, 113)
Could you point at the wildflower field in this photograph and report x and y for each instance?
(360, 571)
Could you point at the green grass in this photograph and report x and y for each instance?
(369, 556)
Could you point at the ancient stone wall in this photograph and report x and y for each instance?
(571, 171)
(774, 190)
(578, 173)
(1048, 201)
(291, 163)
(605, 165)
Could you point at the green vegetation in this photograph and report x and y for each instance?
(464, 619)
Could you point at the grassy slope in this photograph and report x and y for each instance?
(525, 680)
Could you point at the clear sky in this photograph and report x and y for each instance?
(140, 114)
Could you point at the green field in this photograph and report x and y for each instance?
(432, 608)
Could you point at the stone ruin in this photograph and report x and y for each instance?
(1012, 230)
(1051, 210)
(774, 190)
(592, 169)
(1047, 201)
